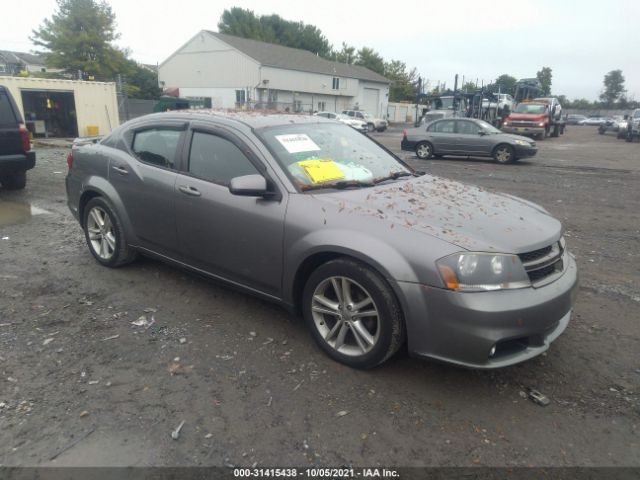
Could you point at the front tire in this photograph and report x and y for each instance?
(424, 150)
(504, 154)
(14, 181)
(352, 313)
(104, 234)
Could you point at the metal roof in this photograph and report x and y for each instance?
(272, 55)
(21, 57)
(252, 119)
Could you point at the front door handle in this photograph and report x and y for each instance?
(194, 192)
(120, 170)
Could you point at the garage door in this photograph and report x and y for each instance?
(371, 96)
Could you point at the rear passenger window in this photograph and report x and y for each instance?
(216, 159)
(445, 126)
(157, 146)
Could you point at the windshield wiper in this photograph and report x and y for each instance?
(393, 176)
(341, 185)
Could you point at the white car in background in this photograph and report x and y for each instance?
(359, 125)
(504, 100)
(374, 123)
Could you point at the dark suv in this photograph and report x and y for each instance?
(16, 156)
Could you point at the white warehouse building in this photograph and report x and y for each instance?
(224, 71)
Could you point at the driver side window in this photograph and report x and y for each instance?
(217, 160)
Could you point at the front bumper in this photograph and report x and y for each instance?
(523, 151)
(18, 162)
(462, 328)
(522, 130)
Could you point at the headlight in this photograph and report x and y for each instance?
(541, 124)
(522, 142)
(505, 123)
(481, 272)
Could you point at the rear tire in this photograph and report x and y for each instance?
(336, 296)
(424, 150)
(104, 234)
(14, 181)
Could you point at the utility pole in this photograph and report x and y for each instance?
(418, 91)
(122, 97)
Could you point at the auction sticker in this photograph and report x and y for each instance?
(298, 142)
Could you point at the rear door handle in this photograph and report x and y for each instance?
(120, 170)
(194, 192)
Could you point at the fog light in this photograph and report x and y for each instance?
(492, 352)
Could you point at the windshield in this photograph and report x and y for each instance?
(317, 155)
(487, 127)
(443, 103)
(530, 108)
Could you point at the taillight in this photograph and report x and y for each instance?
(70, 160)
(24, 137)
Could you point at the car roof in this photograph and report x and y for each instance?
(252, 119)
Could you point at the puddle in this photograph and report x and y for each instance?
(12, 213)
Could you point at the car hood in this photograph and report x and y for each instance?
(512, 137)
(465, 215)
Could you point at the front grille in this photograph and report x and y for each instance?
(543, 263)
(524, 123)
(535, 255)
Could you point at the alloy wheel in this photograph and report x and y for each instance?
(423, 150)
(503, 154)
(101, 233)
(346, 316)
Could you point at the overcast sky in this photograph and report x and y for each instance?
(581, 41)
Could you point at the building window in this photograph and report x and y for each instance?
(240, 96)
(321, 106)
(336, 83)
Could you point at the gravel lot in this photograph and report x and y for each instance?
(81, 385)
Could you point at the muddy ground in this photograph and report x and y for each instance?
(81, 385)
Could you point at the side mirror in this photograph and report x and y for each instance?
(248, 186)
(482, 132)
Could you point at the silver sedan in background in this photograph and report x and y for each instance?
(466, 137)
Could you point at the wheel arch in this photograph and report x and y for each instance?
(99, 187)
(295, 281)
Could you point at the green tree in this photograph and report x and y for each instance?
(581, 104)
(274, 29)
(505, 84)
(613, 87)
(346, 55)
(79, 36)
(468, 87)
(141, 82)
(403, 83)
(369, 58)
(242, 23)
(544, 76)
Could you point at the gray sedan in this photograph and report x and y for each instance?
(466, 137)
(312, 215)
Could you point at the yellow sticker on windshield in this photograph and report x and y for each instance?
(320, 171)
